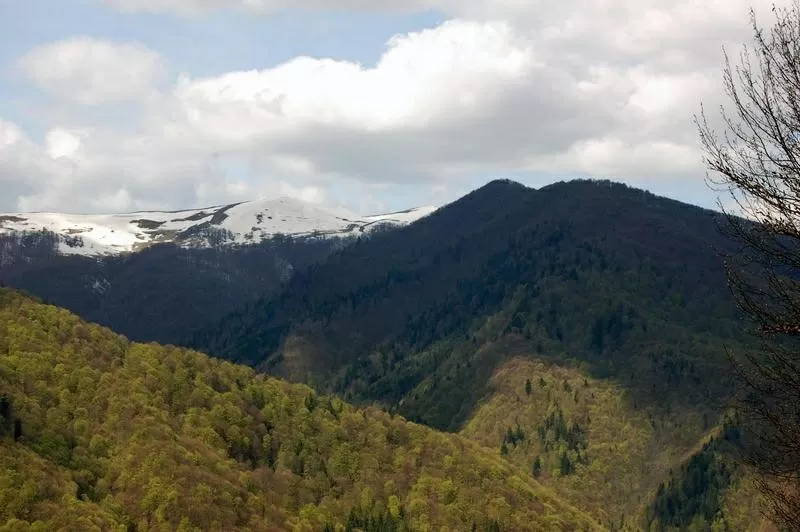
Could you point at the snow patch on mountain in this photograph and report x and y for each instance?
(402, 217)
(238, 223)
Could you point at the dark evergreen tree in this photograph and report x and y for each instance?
(537, 467)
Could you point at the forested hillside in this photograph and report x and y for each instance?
(629, 464)
(160, 293)
(98, 433)
(618, 288)
(625, 282)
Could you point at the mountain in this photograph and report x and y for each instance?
(235, 223)
(164, 292)
(157, 276)
(573, 335)
(610, 301)
(98, 433)
(592, 268)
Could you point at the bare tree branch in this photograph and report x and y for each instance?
(756, 161)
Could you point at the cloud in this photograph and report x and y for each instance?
(62, 143)
(196, 7)
(25, 169)
(452, 94)
(405, 89)
(91, 71)
(582, 87)
(463, 98)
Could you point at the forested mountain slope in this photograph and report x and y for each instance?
(157, 276)
(160, 293)
(599, 282)
(631, 465)
(625, 282)
(98, 433)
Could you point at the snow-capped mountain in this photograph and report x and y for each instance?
(236, 223)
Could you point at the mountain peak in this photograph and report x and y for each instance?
(503, 183)
(241, 223)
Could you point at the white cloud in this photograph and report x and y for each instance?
(462, 97)
(597, 87)
(11, 136)
(423, 78)
(62, 143)
(92, 71)
(25, 168)
(196, 7)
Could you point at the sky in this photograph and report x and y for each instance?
(374, 105)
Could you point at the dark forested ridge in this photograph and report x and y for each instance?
(162, 292)
(619, 279)
(620, 293)
(98, 433)
(444, 247)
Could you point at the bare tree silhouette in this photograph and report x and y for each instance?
(757, 161)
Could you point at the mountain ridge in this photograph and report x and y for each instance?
(624, 287)
(239, 223)
(494, 220)
(577, 330)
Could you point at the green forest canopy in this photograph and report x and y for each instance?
(99, 433)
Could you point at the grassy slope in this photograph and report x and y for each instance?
(117, 434)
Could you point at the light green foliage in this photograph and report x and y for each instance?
(117, 434)
(624, 453)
